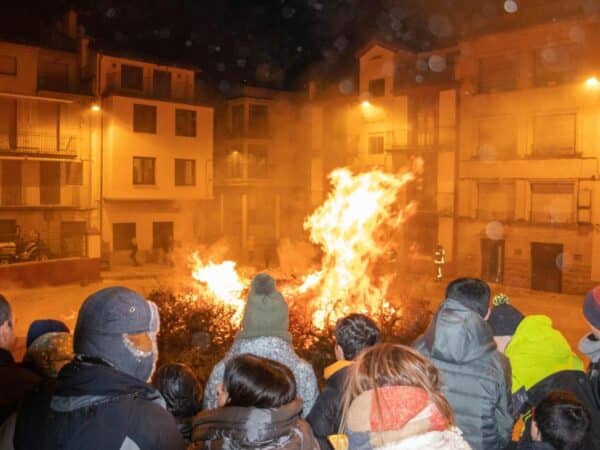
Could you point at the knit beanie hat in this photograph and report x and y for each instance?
(40, 327)
(504, 318)
(266, 312)
(591, 307)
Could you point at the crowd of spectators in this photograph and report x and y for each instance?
(482, 376)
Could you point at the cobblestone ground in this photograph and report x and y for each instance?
(62, 302)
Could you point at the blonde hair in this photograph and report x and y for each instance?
(393, 365)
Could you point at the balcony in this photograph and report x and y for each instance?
(38, 144)
(52, 83)
(182, 92)
(242, 172)
(43, 197)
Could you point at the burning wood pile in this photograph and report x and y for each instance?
(354, 229)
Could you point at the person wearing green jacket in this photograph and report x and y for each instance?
(534, 348)
(542, 361)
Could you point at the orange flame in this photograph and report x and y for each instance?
(223, 283)
(352, 228)
(348, 227)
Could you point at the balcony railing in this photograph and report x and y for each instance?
(177, 91)
(39, 143)
(241, 172)
(49, 82)
(60, 196)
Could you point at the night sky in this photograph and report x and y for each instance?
(277, 42)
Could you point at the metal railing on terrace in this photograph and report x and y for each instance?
(59, 196)
(39, 143)
(49, 82)
(176, 91)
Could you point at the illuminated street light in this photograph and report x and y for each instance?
(592, 82)
(366, 104)
(95, 107)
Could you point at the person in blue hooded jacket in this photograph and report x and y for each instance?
(476, 377)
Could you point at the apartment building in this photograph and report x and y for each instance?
(157, 146)
(528, 200)
(46, 150)
(262, 170)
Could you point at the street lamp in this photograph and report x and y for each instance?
(95, 107)
(592, 82)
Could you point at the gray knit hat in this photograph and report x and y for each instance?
(266, 312)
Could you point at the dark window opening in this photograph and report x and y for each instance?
(185, 172)
(143, 170)
(144, 118)
(132, 77)
(377, 87)
(185, 123)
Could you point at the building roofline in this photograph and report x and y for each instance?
(147, 59)
(377, 42)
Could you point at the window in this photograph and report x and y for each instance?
(185, 123)
(258, 120)
(53, 75)
(74, 173)
(185, 172)
(143, 170)
(554, 135)
(498, 73)
(495, 201)
(11, 182)
(497, 138)
(8, 65)
(162, 84)
(556, 65)
(237, 120)
(49, 183)
(132, 77)
(233, 163)
(257, 161)
(377, 87)
(376, 144)
(123, 234)
(144, 119)
(552, 202)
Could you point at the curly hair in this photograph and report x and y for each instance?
(354, 333)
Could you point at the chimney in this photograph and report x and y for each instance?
(84, 52)
(70, 24)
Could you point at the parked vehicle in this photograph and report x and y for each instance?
(21, 250)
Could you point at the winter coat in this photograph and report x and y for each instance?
(535, 445)
(403, 418)
(273, 348)
(233, 427)
(325, 416)
(589, 345)
(577, 383)
(536, 351)
(15, 382)
(95, 406)
(475, 376)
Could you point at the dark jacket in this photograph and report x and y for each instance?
(577, 383)
(325, 416)
(94, 406)
(476, 377)
(15, 382)
(533, 445)
(233, 427)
